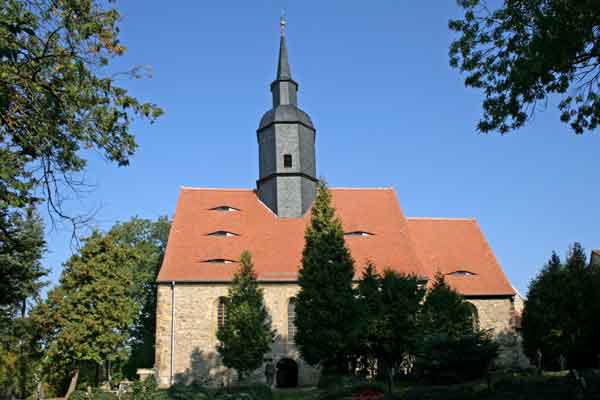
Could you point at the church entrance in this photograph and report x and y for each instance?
(287, 373)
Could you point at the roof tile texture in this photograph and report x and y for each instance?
(415, 246)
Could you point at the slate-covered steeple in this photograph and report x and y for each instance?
(286, 142)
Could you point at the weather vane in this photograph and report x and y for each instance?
(282, 23)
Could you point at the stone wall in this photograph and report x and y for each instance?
(195, 355)
(494, 313)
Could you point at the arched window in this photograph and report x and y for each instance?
(291, 313)
(474, 315)
(221, 312)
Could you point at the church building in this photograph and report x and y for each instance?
(211, 227)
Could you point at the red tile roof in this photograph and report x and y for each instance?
(276, 243)
(449, 245)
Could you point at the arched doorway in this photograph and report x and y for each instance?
(287, 373)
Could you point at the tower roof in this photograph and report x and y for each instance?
(284, 73)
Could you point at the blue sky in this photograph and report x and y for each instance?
(388, 109)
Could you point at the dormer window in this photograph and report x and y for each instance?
(462, 272)
(218, 261)
(358, 233)
(287, 161)
(225, 209)
(222, 233)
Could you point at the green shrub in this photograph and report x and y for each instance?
(180, 391)
(445, 360)
(147, 390)
(247, 392)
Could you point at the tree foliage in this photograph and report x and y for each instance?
(149, 238)
(246, 335)
(88, 316)
(560, 315)
(523, 51)
(22, 245)
(326, 311)
(58, 97)
(446, 312)
(390, 305)
(451, 347)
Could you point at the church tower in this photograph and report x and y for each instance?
(286, 146)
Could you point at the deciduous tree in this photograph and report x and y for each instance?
(60, 97)
(88, 316)
(520, 53)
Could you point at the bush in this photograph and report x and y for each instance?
(445, 360)
(249, 392)
(147, 390)
(96, 394)
(180, 391)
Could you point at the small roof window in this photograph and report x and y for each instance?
(219, 261)
(358, 233)
(222, 233)
(225, 208)
(462, 272)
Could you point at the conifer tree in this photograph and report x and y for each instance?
(326, 309)
(246, 335)
(445, 311)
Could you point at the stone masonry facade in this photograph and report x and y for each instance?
(195, 357)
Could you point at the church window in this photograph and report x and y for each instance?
(462, 273)
(219, 261)
(291, 314)
(223, 233)
(287, 161)
(221, 312)
(358, 233)
(225, 209)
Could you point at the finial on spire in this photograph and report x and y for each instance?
(282, 23)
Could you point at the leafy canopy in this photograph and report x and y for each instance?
(88, 316)
(523, 51)
(246, 335)
(326, 310)
(59, 99)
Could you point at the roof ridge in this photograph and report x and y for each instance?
(445, 218)
(219, 189)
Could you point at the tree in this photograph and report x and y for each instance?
(247, 335)
(390, 306)
(58, 97)
(523, 52)
(370, 306)
(326, 310)
(560, 315)
(21, 248)
(452, 348)
(445, 311)
(150, 239)
(88, 316)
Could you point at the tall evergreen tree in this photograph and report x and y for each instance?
(246, 335)
(445, 311)
(22, 245)
(560, 315)
(21, 248)
(326, 309)
(88, 316)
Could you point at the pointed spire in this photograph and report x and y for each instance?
(284, 72)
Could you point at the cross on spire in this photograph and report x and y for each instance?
(282, 24)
